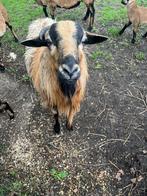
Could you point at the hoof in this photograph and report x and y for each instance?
(2, 69)
(16, 40)
(89, 29)
(84, 18)
(57, 128)
(144, 36)
(69, 127)
(133, 41)
(120, 33)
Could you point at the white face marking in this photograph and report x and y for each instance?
(64, 73)
(66, 70)
(84, 37)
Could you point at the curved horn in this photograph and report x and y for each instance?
(43, 32)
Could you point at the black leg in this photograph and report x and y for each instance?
(57, 124)
(11, 29)
(45, 10)
(5, 106)
(2, 69)
(87, 14)
(124, 28)
(145, 35)
(92, 14)
(134, 37)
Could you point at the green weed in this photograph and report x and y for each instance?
(113, 31)
(140, 56)
(59, 175)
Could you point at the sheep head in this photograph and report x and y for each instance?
(64, 40)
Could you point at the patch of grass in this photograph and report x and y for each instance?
(101, 54)
(113, 31)
(59, 175)
(16, 186)
(110, 14)
(140, 56)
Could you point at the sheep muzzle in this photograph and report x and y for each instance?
(68, 74)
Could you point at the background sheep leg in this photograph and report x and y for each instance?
(145, 35)
(52, 12)
(124, 28)
(92, 13)
(5, 106)
(45, 10)
(57, 124)
(87, 13)
(135, 29)
(11, 29)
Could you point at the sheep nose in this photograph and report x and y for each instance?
(71, 72)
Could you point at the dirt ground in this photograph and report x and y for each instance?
(105, 154)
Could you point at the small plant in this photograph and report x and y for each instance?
(58, 175)
(101, 54)
(13, 173)
(16, 186)
(25, 78)
(140, 56)
(113, 31)
(98, 66)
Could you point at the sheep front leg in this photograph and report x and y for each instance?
(45, 10)
(11, 29)
(124, 28)
(52, 12)
(70, 120)
(87, 14)
(57, 124)
(135, 29)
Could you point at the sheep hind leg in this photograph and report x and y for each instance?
(87, 14)
(11, 29)
(57, 124)
(92, 14)
(45, 10)
(124, 28)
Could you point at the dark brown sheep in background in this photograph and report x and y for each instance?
(4, 21)
(69, 4)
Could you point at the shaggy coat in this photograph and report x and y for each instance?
(69, 4)
(4, 21)
(58, 71)
(137, 15)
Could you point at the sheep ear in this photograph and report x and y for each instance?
(93, 38)
(37, 42)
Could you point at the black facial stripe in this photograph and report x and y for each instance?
(79, 33)
(54, 34)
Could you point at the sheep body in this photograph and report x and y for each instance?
(42, 65)
(56, 62)
(4, 21)
(68, 4)
(137, 15)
